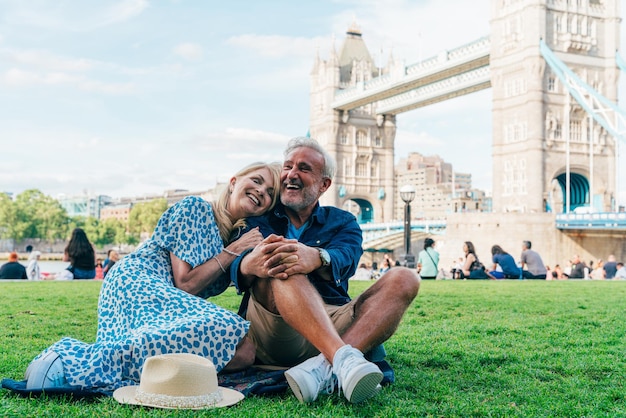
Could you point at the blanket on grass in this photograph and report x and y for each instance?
(252, 381)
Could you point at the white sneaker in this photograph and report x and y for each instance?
(46, 372)
(310, 378)
(358, 378)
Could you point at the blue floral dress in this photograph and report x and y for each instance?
(142, 314)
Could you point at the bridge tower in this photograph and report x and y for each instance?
(361, 141)
(543, 157)
(534, 119)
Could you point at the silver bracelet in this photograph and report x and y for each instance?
(227, 251)
(220, 264)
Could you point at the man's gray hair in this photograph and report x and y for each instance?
(301, 141)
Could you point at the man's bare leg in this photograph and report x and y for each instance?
(301, 306)
(380, 308)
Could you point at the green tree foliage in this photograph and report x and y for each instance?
(8, 218)
(145, 216)
(38, 216)
(35, 215)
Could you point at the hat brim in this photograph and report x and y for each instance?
(126, 395)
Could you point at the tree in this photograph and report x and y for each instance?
(8, 218)
(39, 216)
(144, 217)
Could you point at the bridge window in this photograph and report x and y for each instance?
(343, 139)
(559, 24)
(575, 131)
(551, 83)
(378, 141)
(361, 170)
(557, 130)
(374, 170)
(361, 138)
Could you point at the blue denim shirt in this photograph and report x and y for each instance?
(330, 228)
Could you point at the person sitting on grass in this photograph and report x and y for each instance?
(620, 274)
(299, 309)
(153, 301)
(507, 264)
(13, 269)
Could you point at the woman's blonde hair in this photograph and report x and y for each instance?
(220, 208)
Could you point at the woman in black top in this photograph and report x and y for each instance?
(81, 255)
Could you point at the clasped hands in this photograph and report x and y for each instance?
(278, 257)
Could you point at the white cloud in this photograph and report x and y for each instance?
(275, 46)
(73, 16)
(189, 51)
(124, 10)
(19, 78)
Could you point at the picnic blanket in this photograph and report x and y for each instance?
(254, 381)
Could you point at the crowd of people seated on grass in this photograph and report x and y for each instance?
(531, 266)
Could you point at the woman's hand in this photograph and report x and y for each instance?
(248, 240)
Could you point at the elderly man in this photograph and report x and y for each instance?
(297, 282)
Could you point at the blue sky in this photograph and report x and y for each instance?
(133, 97)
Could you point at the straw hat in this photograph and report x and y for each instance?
(178, 381)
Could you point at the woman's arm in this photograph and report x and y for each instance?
(194, 280)
(469, 260)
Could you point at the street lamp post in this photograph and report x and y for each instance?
(407, 193)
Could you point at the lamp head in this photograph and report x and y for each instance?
(407, 193)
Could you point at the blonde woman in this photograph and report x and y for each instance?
(153, 301)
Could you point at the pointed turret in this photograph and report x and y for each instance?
(354, 51)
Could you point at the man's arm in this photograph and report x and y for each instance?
(257, 263)
(344, 245)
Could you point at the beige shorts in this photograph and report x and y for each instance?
(278, 344)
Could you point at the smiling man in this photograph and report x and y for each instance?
(296, 283)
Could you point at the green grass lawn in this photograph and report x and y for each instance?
(465, 348)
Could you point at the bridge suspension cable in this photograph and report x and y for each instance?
(605, 112)
(620, 62)
(601, 109)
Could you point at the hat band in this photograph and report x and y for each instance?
(178, 401)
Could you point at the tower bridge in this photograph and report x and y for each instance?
(550, 152)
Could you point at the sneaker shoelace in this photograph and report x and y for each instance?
(324, 373)
(349, 362)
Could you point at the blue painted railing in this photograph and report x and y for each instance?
(600, 220)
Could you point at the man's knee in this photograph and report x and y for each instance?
(403, 281)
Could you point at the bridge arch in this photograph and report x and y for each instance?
(579, 190)
(361, 208)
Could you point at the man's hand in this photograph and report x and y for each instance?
(283, 264)
(268, 254)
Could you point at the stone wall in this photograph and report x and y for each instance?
(509, 230)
